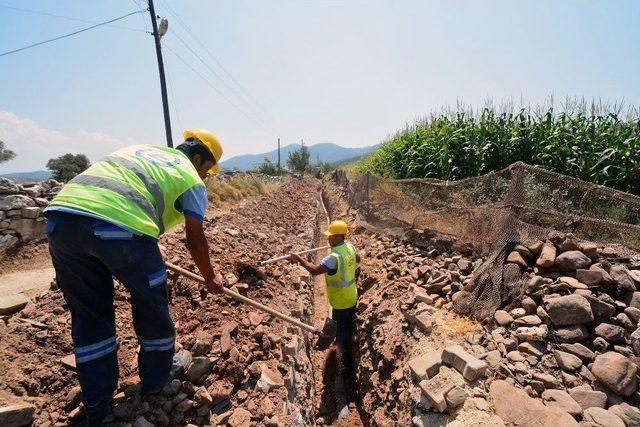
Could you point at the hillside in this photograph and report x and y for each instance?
(325, 152)
(28, 176)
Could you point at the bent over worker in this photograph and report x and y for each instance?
(105, 223)
(339, 269)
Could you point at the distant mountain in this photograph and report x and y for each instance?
(325, 152)
(28, 176)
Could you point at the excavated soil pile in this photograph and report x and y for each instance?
(242, 367)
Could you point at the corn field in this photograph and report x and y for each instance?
(599, 145)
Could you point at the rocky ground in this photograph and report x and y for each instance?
(573, 339)
(565, 352)
(241, 367)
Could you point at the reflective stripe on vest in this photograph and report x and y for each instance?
(343, 282)
(117, 187)
(341, 286)
(149, 182)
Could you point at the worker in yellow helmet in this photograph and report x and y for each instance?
(106, 223)
(339, 269)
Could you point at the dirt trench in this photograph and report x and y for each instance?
(387, 336)
(259, 370)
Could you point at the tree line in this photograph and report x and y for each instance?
(65, 167)
(297, 162)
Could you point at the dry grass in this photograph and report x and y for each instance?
(235, 189)
(449, 328)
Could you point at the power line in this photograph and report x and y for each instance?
(209, 67)
(208, 82)
(70, 34)
(217, 61)
(140, 7)
(173, 99)
(70, 18)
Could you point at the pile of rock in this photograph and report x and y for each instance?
(21, 207)
(569, 344)
(198, 396)
(563, 349)
(406, 282)
(439, 268)
(228, 175)
(573, 338)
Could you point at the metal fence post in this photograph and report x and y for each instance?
(515, 195)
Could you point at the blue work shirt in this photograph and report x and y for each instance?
(192, 202)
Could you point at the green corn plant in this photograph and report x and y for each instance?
(592, 142)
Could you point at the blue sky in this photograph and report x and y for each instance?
(348, 72)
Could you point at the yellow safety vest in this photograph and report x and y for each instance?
(135, 187)
(341, 286)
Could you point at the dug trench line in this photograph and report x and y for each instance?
(325, 362)
(394, 329)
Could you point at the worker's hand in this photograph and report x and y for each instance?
(295, 259)
(215, 284)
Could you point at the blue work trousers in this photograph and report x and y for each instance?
(87, 253)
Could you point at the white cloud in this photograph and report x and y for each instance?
(36, 145)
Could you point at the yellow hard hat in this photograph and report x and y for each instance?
(337, 227)
(209, 140)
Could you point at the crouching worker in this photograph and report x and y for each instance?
(105, 223)
(339, 269)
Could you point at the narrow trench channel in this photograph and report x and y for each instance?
(325, 362)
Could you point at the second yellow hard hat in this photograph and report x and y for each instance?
(337, 227)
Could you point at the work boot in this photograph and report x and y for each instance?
(344, 413)
(96, 415)
(181, 360)
(340, 394)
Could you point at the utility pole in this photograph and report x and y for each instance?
(163, 83)
(278, 155)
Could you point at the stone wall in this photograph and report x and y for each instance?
(21, 206)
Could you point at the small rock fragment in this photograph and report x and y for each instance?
(17, 415)
(566, 361)
(269, 378)
(562, 400)
(572, 260)
(570, 310)
(456, 397)
(10, 304)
